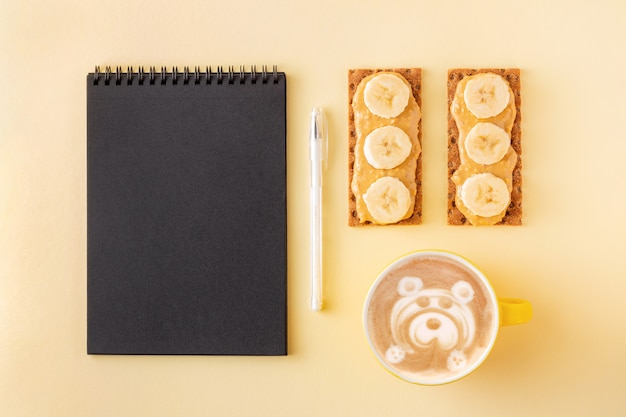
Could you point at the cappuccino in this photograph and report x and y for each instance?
(431, 318)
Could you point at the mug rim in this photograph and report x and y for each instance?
(466, 262)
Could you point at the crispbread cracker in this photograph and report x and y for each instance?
(414, 77)
(513, 214)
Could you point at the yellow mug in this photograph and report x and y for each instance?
(432, 317)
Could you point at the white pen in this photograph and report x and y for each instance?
(318, 138)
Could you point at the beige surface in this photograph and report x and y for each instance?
(567, 259)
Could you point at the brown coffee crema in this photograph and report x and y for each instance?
(430, 318)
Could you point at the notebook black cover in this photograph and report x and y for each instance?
(186, 209)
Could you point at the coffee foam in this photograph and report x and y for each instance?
(430, 318)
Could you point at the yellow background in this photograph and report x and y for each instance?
(568, 258)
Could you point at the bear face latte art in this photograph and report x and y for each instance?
(430, 318)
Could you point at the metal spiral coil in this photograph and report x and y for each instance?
(198, 76)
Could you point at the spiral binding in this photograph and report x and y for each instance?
(197, 76)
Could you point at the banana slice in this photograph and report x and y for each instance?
(486, 95)
(388, 200)
(387, 147)
(485, 194)
(386, 95)
(487, 143)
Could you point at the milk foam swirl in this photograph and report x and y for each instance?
(432, 318)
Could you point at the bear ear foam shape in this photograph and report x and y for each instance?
(463, 292)
(409, 286)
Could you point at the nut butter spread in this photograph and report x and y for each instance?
(503, 169)
(365, 122)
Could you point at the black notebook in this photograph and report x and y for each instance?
(186, 210)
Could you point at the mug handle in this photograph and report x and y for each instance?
(514, 311)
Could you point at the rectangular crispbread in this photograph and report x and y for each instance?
(513, 214)
(414, 77)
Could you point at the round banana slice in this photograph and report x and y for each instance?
(485, 194)
(388, 200)
(386, 147)
(486, 95)
(487, 143)
(386, 95)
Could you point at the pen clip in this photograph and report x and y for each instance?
(324, 142)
